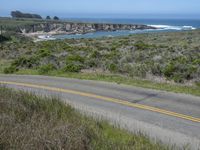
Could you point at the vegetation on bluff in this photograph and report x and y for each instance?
(159, 57)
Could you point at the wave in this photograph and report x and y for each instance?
(168, 27)
(110, 36)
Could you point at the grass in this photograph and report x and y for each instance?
(32, 122)
(12, 23)
(22, 21)
(177, 88)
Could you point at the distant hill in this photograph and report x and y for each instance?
(18, 14)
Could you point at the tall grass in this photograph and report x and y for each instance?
(31, 122)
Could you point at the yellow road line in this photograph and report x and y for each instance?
(114, 100)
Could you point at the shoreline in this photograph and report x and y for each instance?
(84, 28)
(65, 28)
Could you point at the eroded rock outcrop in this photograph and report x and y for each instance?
(73, 28)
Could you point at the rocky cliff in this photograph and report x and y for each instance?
(73, 28)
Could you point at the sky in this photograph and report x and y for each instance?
(105, 8)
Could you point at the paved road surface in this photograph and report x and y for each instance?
(171, 118)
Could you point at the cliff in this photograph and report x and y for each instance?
(73, 28)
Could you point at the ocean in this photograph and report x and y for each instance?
(164, 25)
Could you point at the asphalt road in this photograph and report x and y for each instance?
(165, 116)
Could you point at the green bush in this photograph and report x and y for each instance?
(43, 53)
(179, 70)
(26, 62)
(179, 78)
(113, 68)
(74, 63)
(45, 69)
(95, 54)
(72, 68)
(113, 55)
(75, 58)
(140, 45)
(196, 61)
(169, 70)
(91, 62)
(10, 70)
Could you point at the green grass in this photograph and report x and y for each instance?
(177, 88)
(12, 23)
(32, 122)
(22, 21)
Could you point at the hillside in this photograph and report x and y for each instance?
(169, 58)
(32, 122)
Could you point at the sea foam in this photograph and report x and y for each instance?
(168, 27)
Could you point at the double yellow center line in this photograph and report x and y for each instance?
(108, 99)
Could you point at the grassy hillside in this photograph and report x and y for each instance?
(12, 24)
(31, 122)
(167, 61)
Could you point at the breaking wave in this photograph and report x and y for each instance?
(168, 27)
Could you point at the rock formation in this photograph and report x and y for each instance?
(81, 28)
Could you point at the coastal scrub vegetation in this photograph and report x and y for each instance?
(157, 57)
(32, 122)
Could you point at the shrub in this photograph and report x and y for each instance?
(113, 55)
(140, 45)
(26, 62)
(169, 70)
(10, 70)
(43, 52)
(75, 58)
(72, 68)
(179, 70)
(74, 63)
(134, 70)
(45, 69)
(91, 62)
(113, 68)
(95, 54)
(178, 78)
(139, 70)
(156, 69)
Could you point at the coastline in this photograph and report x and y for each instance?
(50, 29)
(62, 30)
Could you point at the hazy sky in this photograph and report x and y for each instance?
(105, 8)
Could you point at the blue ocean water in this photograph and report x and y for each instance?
(163, 25)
